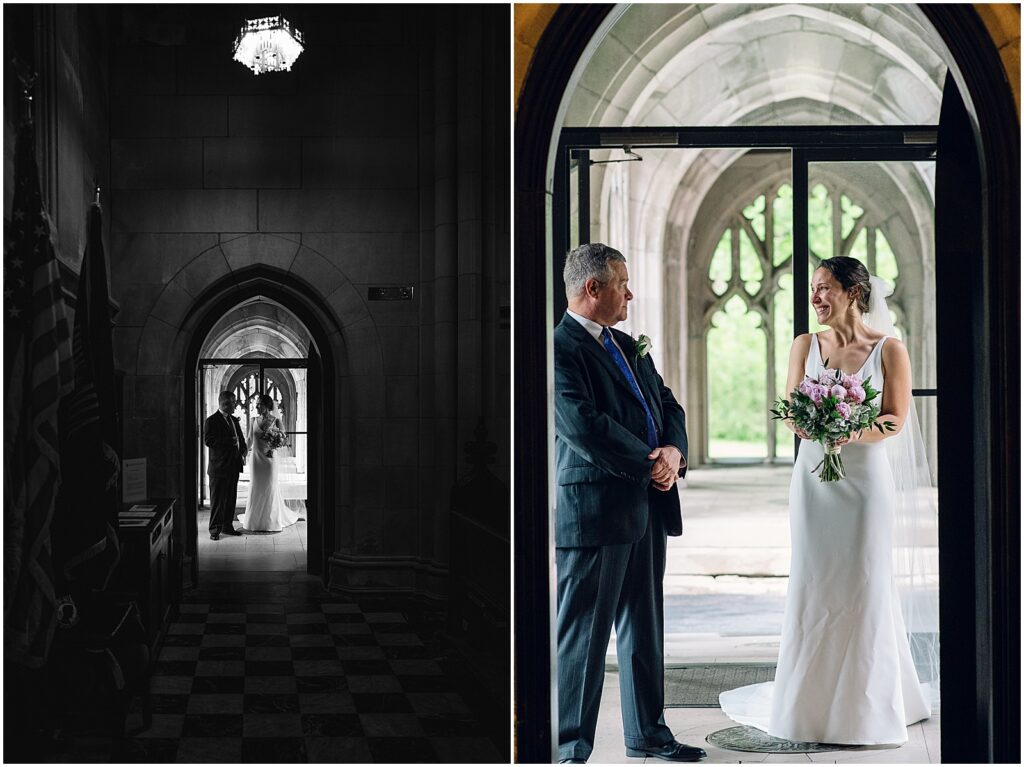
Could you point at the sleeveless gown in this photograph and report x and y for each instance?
(845, 673)
(265, 511)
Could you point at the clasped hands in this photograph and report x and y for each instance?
(665, 470)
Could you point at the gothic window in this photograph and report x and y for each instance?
(247, 391)
(749, 307)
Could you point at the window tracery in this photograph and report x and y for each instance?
(748, 301)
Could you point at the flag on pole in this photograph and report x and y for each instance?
(85, 544)
(37, 360)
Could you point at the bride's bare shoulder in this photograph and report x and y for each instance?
(894, 349)
(802, 342)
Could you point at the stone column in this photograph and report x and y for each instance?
(471, 258)
(439, 279)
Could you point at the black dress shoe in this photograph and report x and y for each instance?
(229, 531)
(214, 536)
(673, 751)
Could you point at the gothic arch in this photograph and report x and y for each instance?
(220, 298)
(982, 580)
(309, 286)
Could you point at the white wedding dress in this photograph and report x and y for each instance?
(845, 673)
(265, 511)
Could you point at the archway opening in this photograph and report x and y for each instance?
(978, 191)
(258, 347)
(293, 333)
(709, 229)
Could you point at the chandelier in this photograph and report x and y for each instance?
(270, 44)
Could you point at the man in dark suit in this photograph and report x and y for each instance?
(223, 435)
(620, 439)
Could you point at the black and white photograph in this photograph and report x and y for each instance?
(257, 284)
(766, 359)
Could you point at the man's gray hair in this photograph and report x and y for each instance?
(592, 260)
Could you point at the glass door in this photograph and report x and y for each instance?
(288, 386)
(882, 212)
(285, 382)
(742, 310)
(720, 303)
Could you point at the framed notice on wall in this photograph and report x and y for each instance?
(133, 476)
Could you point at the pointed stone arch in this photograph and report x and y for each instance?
(160, 360)
(981, 579)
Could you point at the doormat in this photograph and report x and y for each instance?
(743, 738)
(697, 685)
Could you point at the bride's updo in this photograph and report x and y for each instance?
(851, 273)
(266, 401)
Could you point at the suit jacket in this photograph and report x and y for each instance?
(604, 476)
(225, 459)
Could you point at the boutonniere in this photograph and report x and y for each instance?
(643, 346)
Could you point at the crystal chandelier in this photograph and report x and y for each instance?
(270, 44)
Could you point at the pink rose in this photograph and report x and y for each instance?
(852, 381)
(805, 386)
(817, 393)
(838, 392)
(827, 379)
(844, 410)
(857, 394)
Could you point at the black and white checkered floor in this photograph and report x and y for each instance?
(268, 667)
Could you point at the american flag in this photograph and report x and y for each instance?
(85, 545)
(37, 359)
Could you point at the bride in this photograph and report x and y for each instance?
(265, 511)
(845, 673)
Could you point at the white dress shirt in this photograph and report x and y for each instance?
(595, 329)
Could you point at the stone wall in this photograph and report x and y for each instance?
(531, 19)
(374, 162)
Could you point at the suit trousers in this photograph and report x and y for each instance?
(223, 497)
(599, 586)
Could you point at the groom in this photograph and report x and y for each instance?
(620, 441)
(223, 435)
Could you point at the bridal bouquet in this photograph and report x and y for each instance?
(830, 408)
(274, 438)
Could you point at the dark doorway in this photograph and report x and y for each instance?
(314, 358)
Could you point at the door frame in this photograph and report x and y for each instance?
(982, 702)
(209, 308)
(805, 144)
(261, 364)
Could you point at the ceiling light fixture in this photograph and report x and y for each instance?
(269, 44)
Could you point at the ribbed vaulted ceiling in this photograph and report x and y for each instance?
(731, 64)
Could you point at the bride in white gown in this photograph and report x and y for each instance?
(845, 673)
(265, 511)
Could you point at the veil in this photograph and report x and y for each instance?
(915, 529)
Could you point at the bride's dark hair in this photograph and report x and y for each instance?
(851, 273)
(266, 401)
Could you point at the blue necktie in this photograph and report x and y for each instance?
(652, 430)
